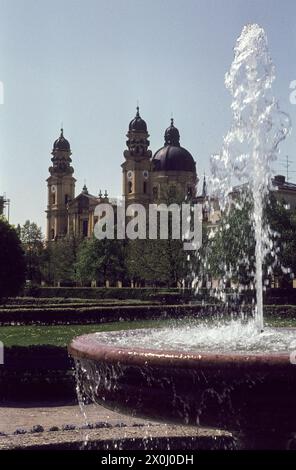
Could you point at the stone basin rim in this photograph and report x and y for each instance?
(87, 347)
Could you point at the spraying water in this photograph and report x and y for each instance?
(252, 144)
(232, 337)
(215, 397)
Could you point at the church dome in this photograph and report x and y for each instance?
(137, 124)
(173, 157)
(172, 135)
(61, 143)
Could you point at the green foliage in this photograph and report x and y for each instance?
(282, 221)
(32, 242)
(229, 251)
(101, 260)
(92, 314)
(106, 293)
(59, 259)
(231, 248)
(158, 262)
(12, 261)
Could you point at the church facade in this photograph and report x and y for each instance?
(165, 176)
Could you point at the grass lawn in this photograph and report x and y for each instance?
(61, 335)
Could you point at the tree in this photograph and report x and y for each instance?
(32, 241)
(230, 250)
(160, 261)
(147, 262)
(282, 221)
(101, 260)
(12, 261)
(157, 262)
(59, 260)
(199, 273)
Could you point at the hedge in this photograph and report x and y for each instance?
(271, 295)
(37, 373)
(103, 314)
(280, 297)
(104, 292)
(31, 301)
(58, 316)
(77, 305)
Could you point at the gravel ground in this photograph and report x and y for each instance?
(64, 427)
(12, 418)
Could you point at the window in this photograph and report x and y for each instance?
(52, 234)
(155, 192)
(66, 198)
(130, 187)
(145, 187)
(53, 198)
(85, 228)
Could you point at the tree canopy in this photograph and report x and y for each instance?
(12, 261)
(32, 241)
(230, 249)
(101, 260)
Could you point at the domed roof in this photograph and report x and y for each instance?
(137, 124)
(172, 135)
(61, 143)
(173, 157)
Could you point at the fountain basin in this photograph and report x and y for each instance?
(251, 394)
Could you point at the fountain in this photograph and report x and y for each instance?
(233, 375)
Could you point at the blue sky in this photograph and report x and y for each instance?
(86, 63)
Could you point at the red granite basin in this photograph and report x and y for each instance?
(250, 394)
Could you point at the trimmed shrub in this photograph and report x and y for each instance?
(84, 315)
(120, 293)
(174, 295)
(37, 373)
(105, 314)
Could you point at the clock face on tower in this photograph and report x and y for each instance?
(129, 175)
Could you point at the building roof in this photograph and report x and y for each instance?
(137, 124)
(173, 157)
(61, 143)
(280, 183)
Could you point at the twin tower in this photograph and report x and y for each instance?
(169, 175)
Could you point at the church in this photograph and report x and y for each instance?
(168, 174)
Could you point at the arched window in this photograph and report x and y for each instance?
(155, 192)
(53, 198)
(130, 187)
(145, 187)
(66, 198)
(52, 234)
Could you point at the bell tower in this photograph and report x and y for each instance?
(136, 168)
(60, 188)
